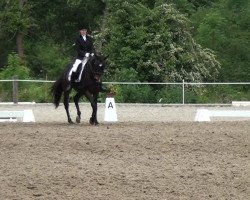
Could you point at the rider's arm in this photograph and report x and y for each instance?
(79, 50)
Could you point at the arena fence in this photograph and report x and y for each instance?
(182, 85)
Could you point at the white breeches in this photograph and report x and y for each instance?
(75, 66)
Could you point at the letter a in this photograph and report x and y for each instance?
(110, 105)
(110, 114)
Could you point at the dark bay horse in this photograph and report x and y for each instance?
(88, 86)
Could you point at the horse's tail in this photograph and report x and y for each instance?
(57, 90)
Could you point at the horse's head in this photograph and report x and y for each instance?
(98, 64)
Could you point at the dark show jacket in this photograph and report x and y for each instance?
(83, 47)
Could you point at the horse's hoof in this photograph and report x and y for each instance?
(70, 121)
(93, 122)
(78, 119)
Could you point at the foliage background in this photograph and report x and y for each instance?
(146, 40)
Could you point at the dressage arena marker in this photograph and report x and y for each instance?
(240, 103)
(110, 109)
(13, 116)
(205, 114)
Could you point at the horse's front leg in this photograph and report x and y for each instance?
(66, 105)
(93, 100)
(76, 100)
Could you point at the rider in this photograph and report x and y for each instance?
(85, 49)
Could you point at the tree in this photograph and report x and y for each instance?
(14, 68)
(225, 28)
(162, 51)
(24, 23)
(61, 19)
(16, 21)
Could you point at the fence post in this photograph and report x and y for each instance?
(183, 92)
(15, 89)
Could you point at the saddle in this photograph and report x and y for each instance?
(77, 69)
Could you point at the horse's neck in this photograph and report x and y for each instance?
(87, 67)
(87, 70)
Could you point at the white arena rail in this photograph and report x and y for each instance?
(183, 84)
(240, 103)
(203, 115)
(14, 116)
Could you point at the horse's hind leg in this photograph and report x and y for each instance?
(76, 100)
(66, 105)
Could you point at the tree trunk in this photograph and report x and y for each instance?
(19, 43)
(19, 38)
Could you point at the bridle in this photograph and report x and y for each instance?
(96, 75)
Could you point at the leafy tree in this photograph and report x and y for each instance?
(16, 21)
(225, 28)
(46, 58)
(23, 23)
(162, 51)
(201, 3)
(14, 68)
(62, 19)
(4, 52)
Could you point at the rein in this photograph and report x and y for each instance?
(95, 75)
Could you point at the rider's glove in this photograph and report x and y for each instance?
(92, 54)
(87, 55)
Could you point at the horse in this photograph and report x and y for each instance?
(89, 86)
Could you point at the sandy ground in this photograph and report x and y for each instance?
(125, 160)
(152, 152)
